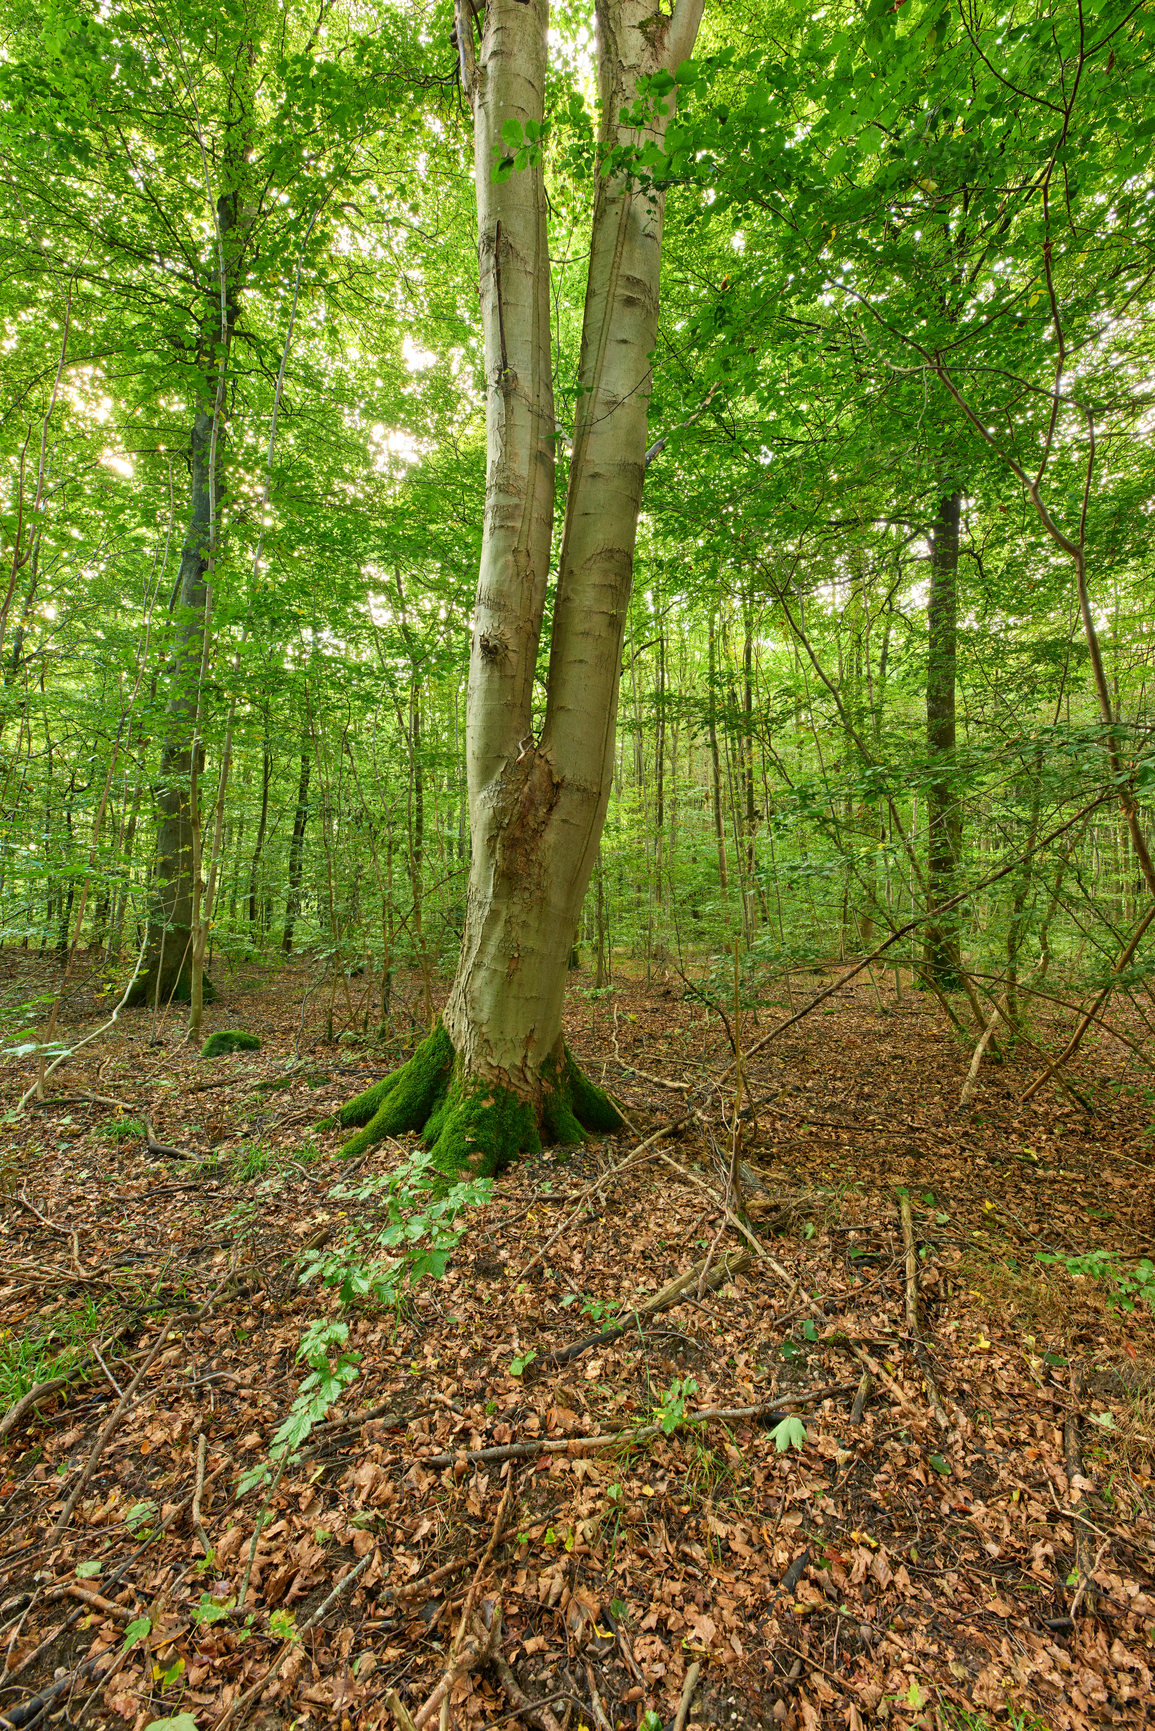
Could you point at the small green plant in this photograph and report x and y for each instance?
(790, 1433)
(327, 1380)
(1128, 1285)
(283, 1625)
(252, 1160)
(419, 1232)
(139, 1517)
(120, 1129)
(138, 1630)
(211, 1610)
(671, 1409)
(519, 1365)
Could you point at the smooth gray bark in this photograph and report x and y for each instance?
(537, 802)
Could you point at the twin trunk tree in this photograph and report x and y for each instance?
(495, 1077)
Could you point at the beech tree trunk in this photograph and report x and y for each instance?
(496, 1075)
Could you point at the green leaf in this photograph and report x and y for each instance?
(92, 1567)
(138, 1630)
(179, 1722)
(138, 1515)
(940, 1465)
(790, 1433)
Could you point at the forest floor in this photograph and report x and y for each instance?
(990, 1562)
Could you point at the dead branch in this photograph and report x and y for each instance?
(240, 1707)
(631, 1160)
(579, 1445)
(913, 1325)
(536, 1713)
(1088, 1017)
(39, 1391)
(736, 1262)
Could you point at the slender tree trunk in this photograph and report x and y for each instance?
(496, 1075)
(165, 973)
(944, 807)
(715, 762)
(297, 853)
(259, 843)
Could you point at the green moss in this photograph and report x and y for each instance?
(144, 992)
(403, 1101)
(471, 1124)
(481, 1128)
(573, 1107)
(230, 1040)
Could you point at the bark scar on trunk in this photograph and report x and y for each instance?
(529, 792)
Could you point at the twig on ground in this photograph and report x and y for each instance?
(241, 1705)
(688, 1688)
(913, 1324)
(631, 1160)
(198, 1492)
(38, 1391)
(112, 1423)
(578, 1445)
(700, 1276)
(535, 1713)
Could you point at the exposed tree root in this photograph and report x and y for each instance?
(474, 1124)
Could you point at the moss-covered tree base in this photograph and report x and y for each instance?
(471, 1124)
(179, 991)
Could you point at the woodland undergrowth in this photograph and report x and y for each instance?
(841, 1413)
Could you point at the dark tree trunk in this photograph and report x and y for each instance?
(165, 972)
(943, 805)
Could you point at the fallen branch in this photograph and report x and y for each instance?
(39, 1391)
(736, 1262)
(1073, 1461)
(111, 1424)
(688, 1688)
(902, 932)
(460, 1657)
(1088, 1017)
(536, 1713)
(913, 1324)
(631, 1160)
(579, 1445)
(874, 1369)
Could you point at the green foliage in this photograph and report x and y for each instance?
(330, 1374)
(1128, 1283)
(790, 1433)
(671, 1409)
(408, 1214)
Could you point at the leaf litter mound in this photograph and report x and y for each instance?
(776, 1420)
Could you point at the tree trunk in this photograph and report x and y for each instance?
(165, 973)
(255, 903)
(495, 1076)
(943, 806)
(296, 854)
